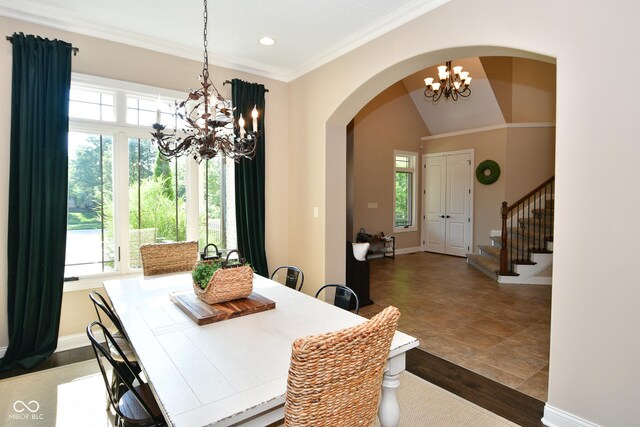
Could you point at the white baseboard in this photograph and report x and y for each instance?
(67, 342)
(404, 251)
(554, 417)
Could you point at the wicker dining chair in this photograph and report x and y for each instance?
(345, 297)
(162, 258)
(288, 275)
(136, 405)
(335, 378)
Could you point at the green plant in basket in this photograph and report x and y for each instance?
(203, 271)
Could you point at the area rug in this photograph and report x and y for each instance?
(74, 395)
(71, 395)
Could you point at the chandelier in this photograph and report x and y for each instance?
(452, 84)
(208, 124)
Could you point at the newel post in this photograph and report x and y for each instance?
(504, 259)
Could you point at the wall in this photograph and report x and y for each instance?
(389, 122)
(487, 199)
(118, 61)
(530, 159)
(594, 374)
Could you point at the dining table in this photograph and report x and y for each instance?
(231, 372)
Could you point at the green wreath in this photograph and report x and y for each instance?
(487, 172)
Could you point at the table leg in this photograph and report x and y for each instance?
(389, 410)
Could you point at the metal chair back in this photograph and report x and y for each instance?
(291, 278)
(344, 298)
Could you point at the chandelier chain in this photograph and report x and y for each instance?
(205, 68)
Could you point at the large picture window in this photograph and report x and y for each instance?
(123, 194)
(405, 181)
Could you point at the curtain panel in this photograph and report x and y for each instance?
(41, 78)
(249, 176)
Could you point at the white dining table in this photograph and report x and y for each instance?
(232, 372)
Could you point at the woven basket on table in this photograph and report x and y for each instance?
(335, 379)
(227, 283)
(163, 258)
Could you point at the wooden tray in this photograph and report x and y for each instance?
(203, 313)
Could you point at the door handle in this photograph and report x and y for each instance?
(441, 216)
(448, 216)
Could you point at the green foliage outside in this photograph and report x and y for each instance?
(157, 210)
(403, 199)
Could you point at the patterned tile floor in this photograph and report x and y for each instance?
(459, 314)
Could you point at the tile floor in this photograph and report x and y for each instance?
(459, 314)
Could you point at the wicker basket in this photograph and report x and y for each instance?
(227, 284)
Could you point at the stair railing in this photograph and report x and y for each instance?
(529, 227)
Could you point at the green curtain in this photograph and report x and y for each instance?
(37, 197)
(249, 174)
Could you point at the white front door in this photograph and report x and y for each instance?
(447, 203)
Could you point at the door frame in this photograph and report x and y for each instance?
(423, 205)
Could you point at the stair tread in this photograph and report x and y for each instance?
(484, 264)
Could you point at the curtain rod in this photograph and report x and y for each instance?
(75, 49)
(228, 82)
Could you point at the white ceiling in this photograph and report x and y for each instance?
(308, 33)
(479, 110)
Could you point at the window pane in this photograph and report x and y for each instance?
(90, 104)
(81, 110)
(90, 231)
(217, 204)
(403, 208)
(83, 95)
(157, 198)
(403, 162)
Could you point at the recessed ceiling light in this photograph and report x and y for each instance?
(267, 41)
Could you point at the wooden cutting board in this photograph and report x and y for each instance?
(203, 313)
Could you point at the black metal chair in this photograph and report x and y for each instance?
(101, 305)
(344, 297)
(136, 406)
(290, 278)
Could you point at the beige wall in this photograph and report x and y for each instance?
(118, 61)
(499, 70)
(594, 372)
(389, 122)
(77, 312)
(489, 145)
(530, 159)
(534, 91)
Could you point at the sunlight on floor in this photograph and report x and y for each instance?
(82, 402)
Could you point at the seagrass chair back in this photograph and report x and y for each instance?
(289, 275)
(335, 378)
(163, 258)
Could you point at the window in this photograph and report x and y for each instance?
(405, 181)
(122, 194)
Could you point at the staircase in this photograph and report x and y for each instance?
(523, 251)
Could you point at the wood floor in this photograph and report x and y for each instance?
(460, 315)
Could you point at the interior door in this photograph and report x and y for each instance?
(434, 233)
(447, 203)
(458, 206)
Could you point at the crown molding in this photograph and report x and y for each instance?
(30, 11)
(390, 22)
(489, 128)
(55, 18)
